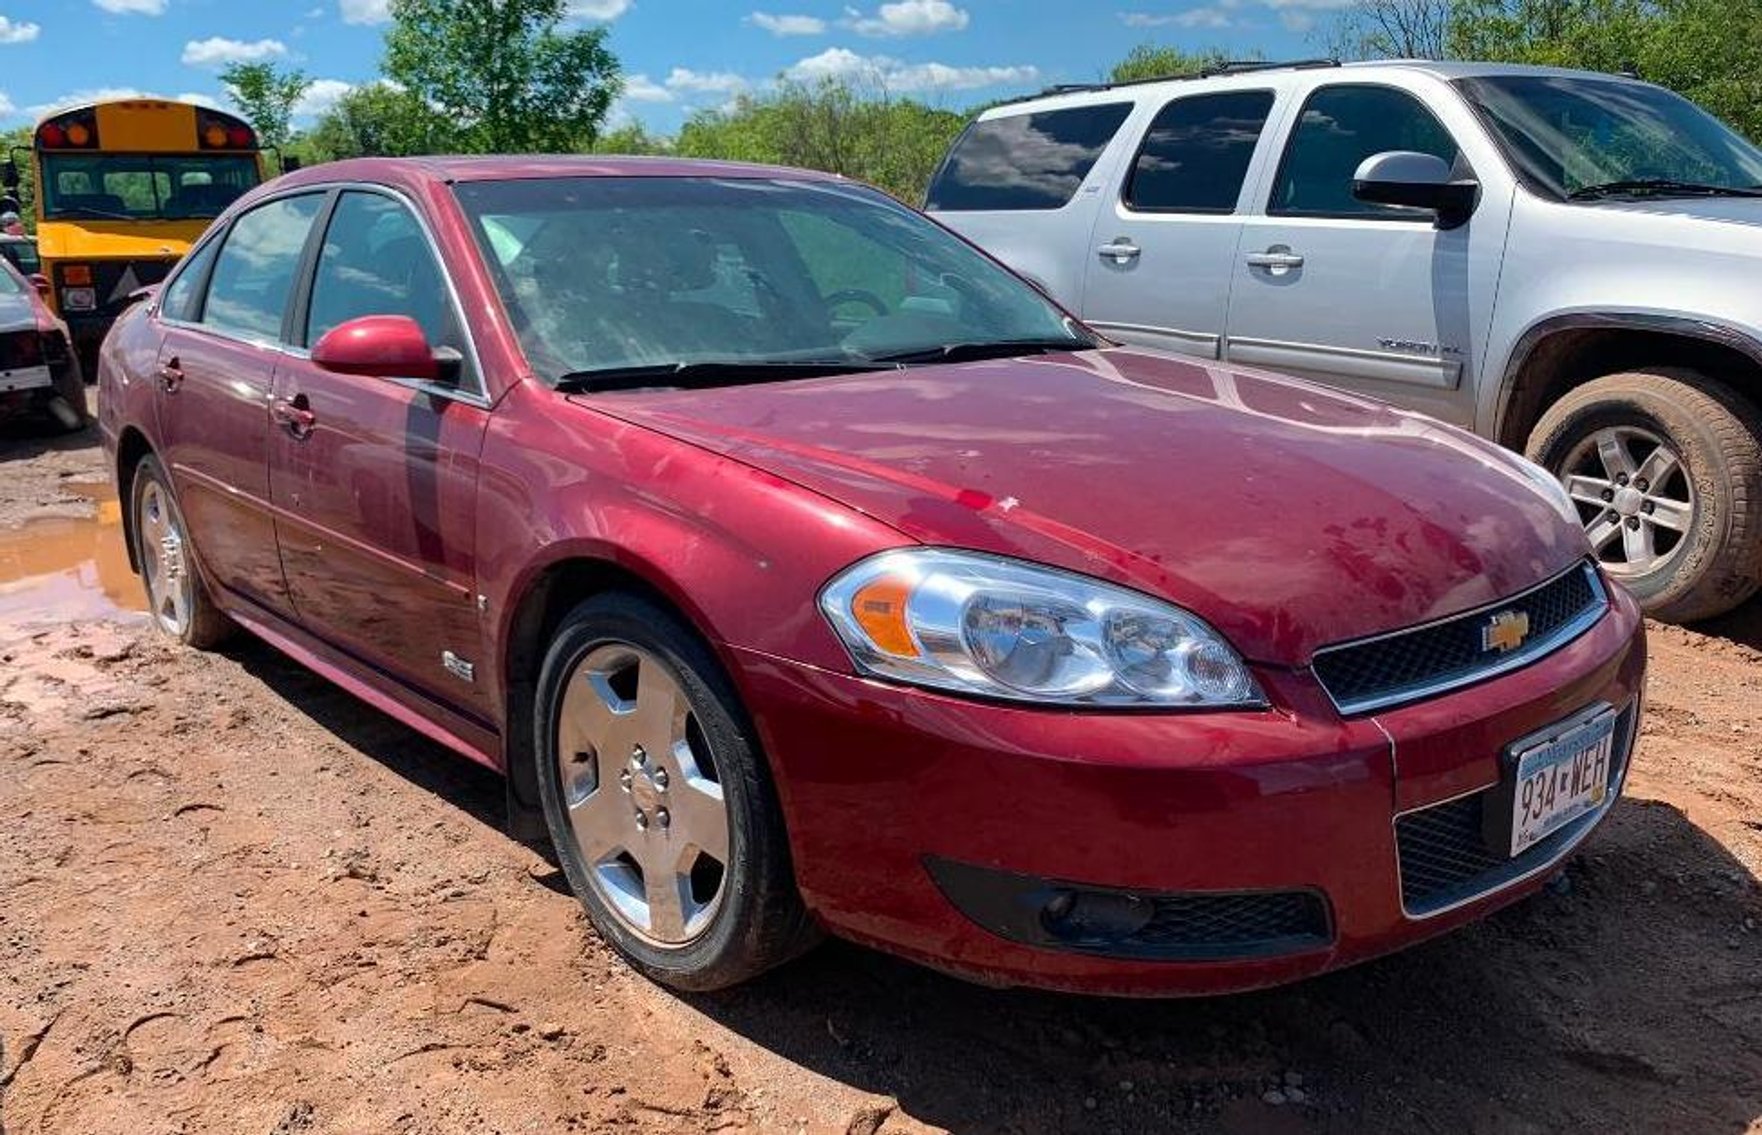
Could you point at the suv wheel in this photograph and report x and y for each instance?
(1666, 469)
(658, 801)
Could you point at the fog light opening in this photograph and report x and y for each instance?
(1095, 917)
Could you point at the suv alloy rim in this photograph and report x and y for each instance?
(643, 794)
(1634, 496)
(170, 587)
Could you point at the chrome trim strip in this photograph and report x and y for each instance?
(1534, 650)
(1435, 371)
(1589, 821)
(1209, 344)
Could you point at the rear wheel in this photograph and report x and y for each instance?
(1666, 469)
(176, 596)
(659, 804)
(70, 391)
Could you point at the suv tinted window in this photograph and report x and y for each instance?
(254, 272)
(183, 295)
(376, 261)
(1025, 161)
(1196, 153)
(1340, 127)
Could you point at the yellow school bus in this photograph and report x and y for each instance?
(123, 188)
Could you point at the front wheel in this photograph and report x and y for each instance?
(658, 802)
(1666, 469)
(177, 598)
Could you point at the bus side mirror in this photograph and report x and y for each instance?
(289, 163)
(9, 175)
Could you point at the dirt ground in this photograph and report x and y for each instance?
(232, 899)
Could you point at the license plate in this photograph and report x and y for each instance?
(24, 378)
(1560, 779)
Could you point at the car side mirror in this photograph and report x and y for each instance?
(384, 346)
(41, 283)
(1417, 181)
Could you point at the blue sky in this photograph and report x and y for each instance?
(678, 55)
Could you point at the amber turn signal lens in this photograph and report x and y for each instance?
(215, 135)
(78, 135)
(879, 608)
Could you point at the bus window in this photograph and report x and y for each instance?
(136, 187)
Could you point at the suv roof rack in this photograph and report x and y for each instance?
(1228, 67)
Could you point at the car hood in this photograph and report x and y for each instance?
(1726, 210)
(1286, 515)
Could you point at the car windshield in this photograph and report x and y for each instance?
(11, 284)
(603, 274)
(1571, 134)
(143, 187)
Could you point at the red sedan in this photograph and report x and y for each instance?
(805, 570)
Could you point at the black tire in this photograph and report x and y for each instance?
(1717, 563)
(759, 921)
(70, 387)
(206, 625)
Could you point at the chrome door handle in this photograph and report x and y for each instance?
(1274, 258)
(171, 376)
(1119, 250)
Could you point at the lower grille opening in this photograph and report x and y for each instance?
(1445, 855)
(1178, 926)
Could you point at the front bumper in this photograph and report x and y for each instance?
(885, 787)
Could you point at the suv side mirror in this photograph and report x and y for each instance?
(1418, 181)
(384, 346)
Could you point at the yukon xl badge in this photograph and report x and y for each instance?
(1505, 631)
(458, 667)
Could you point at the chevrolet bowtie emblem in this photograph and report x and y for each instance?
(1505, 631)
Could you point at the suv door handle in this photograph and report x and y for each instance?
(294, 415)
(171, 375)
(1119, 250)
(1276, 257)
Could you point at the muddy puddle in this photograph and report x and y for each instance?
(60, 569)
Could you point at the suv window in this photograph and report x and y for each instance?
(376, 261)
(1025, 161)
(183, 295)
(1340, 127)
(254, 271)
(1196, 153)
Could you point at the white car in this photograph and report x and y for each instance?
(1562, 261)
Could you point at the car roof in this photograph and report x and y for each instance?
(1254, 73)
(519, 166)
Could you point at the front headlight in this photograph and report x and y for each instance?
(996, 627)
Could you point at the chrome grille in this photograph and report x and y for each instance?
(1389, 669)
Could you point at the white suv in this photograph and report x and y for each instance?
(1567, 262)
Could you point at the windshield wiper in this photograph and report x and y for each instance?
(729, 372)
(974, 351)
(1662, 187)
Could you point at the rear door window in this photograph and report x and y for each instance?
(254, 273)
(1025, 161)
(1196, 153)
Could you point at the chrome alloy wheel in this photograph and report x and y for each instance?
(165, 566)
(643, 794)
(1634, 496)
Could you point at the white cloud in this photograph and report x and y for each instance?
(894, 75)
(602, 10)
(89, 94)
(701, 82)
(1209, 16)
(788, 25)
(133, 7)
(321, 96)
(219, 50)
(908, 17)
(641, 88)
(21, 32)
(6, 107)
(364, 11)
(201, 98)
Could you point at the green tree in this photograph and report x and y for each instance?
(1391, 29)
(266, 95)
(508, 73)
(18, 142)
(630, 139)
(1152, 61)
(375, 121)
(837, 126)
